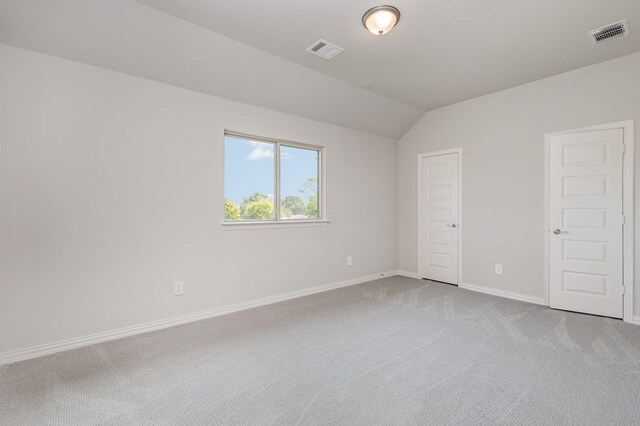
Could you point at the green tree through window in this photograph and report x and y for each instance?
(231, 211)
(292, 205)
(257, 207)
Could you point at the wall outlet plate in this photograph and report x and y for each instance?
(349, 261)
(178, 288)
(499, 268)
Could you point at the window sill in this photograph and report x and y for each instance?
(233, 226)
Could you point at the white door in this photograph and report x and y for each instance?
(439, 218)
(586, 222)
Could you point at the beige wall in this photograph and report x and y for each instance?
(111, 189)
(502, 136)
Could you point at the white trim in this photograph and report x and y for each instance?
(487, 290)
(271, 224)
(629, 225)
(628, 208)
(460, 223)
(105, 336)
(503, 293)
(635, 320)
(546, 160)
(408, 274)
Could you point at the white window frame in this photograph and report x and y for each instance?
(278, 221)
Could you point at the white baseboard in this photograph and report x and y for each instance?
(635, 320)
(504, 293)
(487, 290)
(407, 274)
(74, 343)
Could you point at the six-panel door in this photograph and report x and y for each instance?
(439, 218)
(585, 221)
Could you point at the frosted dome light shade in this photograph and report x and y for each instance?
(380, 20)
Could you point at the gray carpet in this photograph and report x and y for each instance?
(393, 351)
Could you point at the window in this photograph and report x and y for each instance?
(271, 180)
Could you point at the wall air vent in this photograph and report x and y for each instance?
(609, 32)
(324, 49)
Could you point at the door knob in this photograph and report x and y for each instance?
(453, 225)
(558, 231)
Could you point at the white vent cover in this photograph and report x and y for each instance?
(324, 49)
(611, 31)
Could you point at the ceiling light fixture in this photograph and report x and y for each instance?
(381, 19)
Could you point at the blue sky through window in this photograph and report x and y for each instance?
(297, 166)
(249, 168)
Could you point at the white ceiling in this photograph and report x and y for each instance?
(253, 51)
(441, 52)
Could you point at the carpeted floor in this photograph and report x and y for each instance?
(394, 351)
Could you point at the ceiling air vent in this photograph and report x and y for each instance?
(611, 31)
(324, 49)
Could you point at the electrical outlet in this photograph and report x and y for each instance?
(349, 261)
(499, 268)
(178, 288)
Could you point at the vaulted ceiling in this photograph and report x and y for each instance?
(442, 51)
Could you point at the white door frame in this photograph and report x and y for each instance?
(459, 224)
(627, 203)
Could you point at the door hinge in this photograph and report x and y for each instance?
(623, 289)
(623, 149)
(624, 218)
